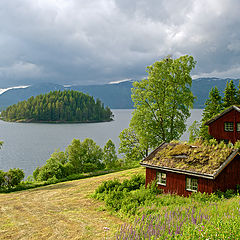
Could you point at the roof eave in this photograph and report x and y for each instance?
(181, 171)
(192, 173)
(229, 159)
(222, 113)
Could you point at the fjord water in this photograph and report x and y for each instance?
(28, 145)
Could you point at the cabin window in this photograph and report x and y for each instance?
(191, 184)
(238, 126)
(162, 178)
(228, 126)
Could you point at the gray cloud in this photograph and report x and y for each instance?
(98, 41)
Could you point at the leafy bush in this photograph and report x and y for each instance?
(126, 196)
(34, 184)
(228, 194)
(79, 157)
(12, 178)
(107, 186)
(2, 179)
(134, 183)
(35, 173)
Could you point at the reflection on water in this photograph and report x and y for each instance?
(28, 145)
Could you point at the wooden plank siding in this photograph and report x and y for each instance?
(229, 177)
(176, 183)
(216, 128)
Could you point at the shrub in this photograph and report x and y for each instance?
(12, 178)
(126, 196)
(134, 183)
(105, 188)
(2, 178)
(204, 197)
(89, 167)
(35, 173)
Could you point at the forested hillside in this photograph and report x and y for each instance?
(58, 106)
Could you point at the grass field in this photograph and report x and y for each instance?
(60, 211)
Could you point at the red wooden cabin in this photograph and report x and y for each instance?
(182, 169)
(226, 125)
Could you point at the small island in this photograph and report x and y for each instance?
(58, 107)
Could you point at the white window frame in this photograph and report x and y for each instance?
(191, 184)
(238, 126)
(162, 178)
(228, 127)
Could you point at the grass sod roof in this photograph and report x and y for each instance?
(197, 158)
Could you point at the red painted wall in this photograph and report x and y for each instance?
(229, 177)
(216, 128)
(176, 183)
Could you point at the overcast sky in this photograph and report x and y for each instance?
(100, 41)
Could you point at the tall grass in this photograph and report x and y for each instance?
(215, 221)
(163, 216)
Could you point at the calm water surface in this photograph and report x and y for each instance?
(28, 145)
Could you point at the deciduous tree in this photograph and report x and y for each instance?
(132, 146)
(163, 100)
(83, 154)
(109, 155)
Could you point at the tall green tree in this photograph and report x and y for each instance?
(163, 100)
(230, 95)
(194, 131)
(238, 94)
(109, 155)
(132, 146)
(85, 156)
(213, 106)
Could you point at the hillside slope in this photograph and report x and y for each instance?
(60, 211)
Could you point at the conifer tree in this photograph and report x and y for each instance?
(59, 106)
(213, 105)
(238, 94)
(230, 95)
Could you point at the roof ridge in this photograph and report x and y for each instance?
(223, 112)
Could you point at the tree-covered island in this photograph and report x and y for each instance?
(58, 106)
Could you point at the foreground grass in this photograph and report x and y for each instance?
(165, 216)
(60, 211)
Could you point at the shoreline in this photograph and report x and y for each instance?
(55, 122)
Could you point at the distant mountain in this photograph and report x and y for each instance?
(13, 96)
(116, 96)
(202, 86)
